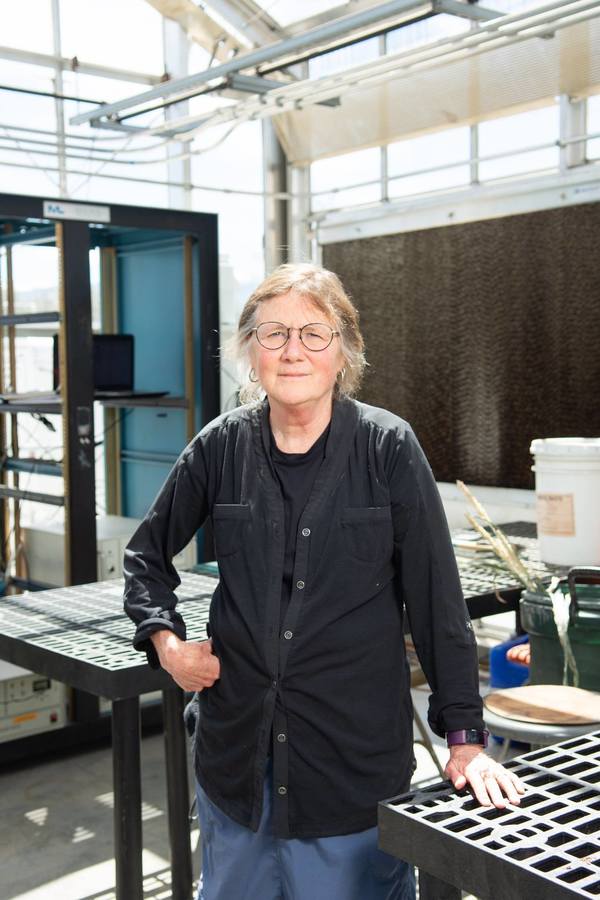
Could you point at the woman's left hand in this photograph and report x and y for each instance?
(491, 783)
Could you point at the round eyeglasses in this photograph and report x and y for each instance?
(315, 336)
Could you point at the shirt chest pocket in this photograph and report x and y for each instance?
(367, 532)
(230, 525)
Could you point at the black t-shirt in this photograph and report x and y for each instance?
(296, 473)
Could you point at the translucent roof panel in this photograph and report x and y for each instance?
(27, 25)
(287, 11)
(122, 33)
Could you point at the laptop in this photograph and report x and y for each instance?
(113, 367)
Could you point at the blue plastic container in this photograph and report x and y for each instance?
(503, 672)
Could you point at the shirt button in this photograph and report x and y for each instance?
(300, 585)
(281, 738)
(288, 635)
(282, 790)
(305, 532)
(273, 684)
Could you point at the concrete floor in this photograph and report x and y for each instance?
(56, 829)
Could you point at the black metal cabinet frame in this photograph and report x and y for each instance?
(73, 220)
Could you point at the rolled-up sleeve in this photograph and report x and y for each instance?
(171, 522)
(432, 594)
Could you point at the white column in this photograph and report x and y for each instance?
(474, 154)
(275, 209)
(176, 64)
(299, 230)
(572, 124)
(60, 114)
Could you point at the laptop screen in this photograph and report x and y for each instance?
(113, 362)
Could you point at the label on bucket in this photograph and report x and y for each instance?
(555, 514)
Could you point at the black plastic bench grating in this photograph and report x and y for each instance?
(86, 633)
(549, 846)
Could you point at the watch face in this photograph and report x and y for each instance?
(477, 737)
(480, 737)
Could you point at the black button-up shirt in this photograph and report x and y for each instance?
(329, 686)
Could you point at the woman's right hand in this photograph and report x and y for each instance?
(193, 666)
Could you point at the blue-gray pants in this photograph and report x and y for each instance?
(239, 864)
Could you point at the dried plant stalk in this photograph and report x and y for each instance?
(499, 543)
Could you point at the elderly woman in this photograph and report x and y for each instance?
(328, 527)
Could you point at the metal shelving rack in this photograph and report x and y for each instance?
(75, 404)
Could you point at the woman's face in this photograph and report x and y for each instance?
(293, 375)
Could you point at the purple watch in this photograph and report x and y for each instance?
(467, 736)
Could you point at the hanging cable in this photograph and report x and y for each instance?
(129, 162)
(50, 94)
(117, 421)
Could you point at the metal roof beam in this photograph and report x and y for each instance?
(317, 37)
(254, 84)
(76, 65)
(471, 11)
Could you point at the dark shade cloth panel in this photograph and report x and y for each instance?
(483, 335)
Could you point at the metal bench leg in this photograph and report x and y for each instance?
(431, 888)
(177, 794)
(504, 750)
(127, 790)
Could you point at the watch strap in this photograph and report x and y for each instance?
(467, 736)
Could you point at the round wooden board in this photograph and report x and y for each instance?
(546, 704)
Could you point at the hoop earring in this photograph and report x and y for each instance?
(342, 374)
(252, 376)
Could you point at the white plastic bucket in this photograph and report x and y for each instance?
(567, 487)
